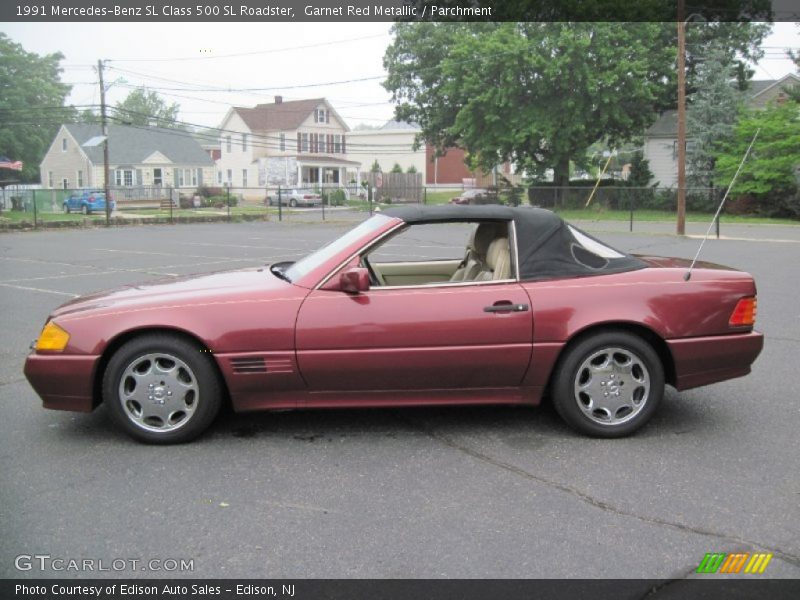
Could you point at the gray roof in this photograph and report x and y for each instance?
(665, 126)
(129, 145)
(395, 125)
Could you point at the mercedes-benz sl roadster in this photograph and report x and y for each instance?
(523, 306)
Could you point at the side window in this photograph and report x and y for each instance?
(428, 242)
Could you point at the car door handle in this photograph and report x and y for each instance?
(504, 306)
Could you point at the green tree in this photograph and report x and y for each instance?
(539, 94)
(770, 173)
(396, 168)
(376, 167)
(146, 108)
(411, 169)
(711, 115)
(31, 105)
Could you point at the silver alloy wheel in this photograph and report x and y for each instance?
(158, 392)
(612, 386)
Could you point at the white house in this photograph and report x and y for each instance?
(661, 139)
(297, 143)
(389, 145)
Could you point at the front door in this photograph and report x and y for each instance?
(415, 338)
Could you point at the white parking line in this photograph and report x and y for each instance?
(42, 290)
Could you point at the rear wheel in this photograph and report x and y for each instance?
(609, 385)
(66, 208)
(292, 202)
(162, 389)
(85, 209)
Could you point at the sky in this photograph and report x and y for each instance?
(199, 65)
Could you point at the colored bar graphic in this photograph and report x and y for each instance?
(721, 562)
(758, 563)
(711, 562)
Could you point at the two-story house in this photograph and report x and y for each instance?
(661, 138)
(300, 143)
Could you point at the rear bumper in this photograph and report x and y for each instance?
(704, 360)
(63, 382)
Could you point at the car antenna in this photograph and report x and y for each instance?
(688, 274)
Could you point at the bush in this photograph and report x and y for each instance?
(336, 198)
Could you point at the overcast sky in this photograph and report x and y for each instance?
(295, 60)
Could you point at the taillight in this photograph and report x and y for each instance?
(744, 315)
(307, 197)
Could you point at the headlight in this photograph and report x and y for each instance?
(53, 338)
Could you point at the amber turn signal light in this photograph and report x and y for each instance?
(53, 338)
(744, 315)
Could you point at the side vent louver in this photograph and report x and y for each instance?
(250, 364)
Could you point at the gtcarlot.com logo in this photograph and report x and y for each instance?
(738, 562)
(46, 562)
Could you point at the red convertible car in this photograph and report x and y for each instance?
(526, 306)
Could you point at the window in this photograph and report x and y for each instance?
(322, 147)
(230, 177)
(337, 144)
(244, 177)
(244, 141)
(80, 179)
(123, 177)
(283, 142)
(50, 179)
(65, 183)
(219, 177)
(228, 144)
(305, 142)
(188, 177)
(158, 178)
(319, 115)
(63, 144)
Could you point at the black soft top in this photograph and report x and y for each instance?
(548, 246)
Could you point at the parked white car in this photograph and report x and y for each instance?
(294, 197)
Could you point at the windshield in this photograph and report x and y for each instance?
(305, 265)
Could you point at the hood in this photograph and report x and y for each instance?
(187, 290)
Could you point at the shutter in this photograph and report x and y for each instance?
(327, 116)
(298, 143)
(199, 177)
(344, 149)
(138, 177)
(330, 144)
(314, 143)
(316, 116)
(175, 177)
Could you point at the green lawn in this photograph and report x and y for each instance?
(595, 214)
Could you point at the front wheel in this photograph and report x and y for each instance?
(85, 209)
(609, 385)
(162, 389)
(66, 208)
(292, 202)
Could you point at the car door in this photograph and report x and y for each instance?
(444, 337)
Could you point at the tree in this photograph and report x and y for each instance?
(396, 168)
(539, 94)
(146, 108)
(411, 169)
(711, 115)
(770, 174)
(31, 105)
(376, 167)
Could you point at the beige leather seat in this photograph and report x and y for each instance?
(477, 249)
(498, 262)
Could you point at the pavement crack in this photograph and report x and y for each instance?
(595, 502)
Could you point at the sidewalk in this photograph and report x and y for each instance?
(733, 231)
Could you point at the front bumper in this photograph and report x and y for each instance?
(63, 382)
(704, 360)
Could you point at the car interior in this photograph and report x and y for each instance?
(485, 257)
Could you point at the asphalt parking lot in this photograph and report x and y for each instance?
(493, 492)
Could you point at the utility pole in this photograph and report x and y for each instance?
(104, 123)
(681, 227)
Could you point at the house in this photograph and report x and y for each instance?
(393, 143)
(296, 143)
(661, 139)
(142, 160)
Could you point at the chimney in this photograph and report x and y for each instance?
(278, 99)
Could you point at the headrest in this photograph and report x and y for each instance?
(483, 235)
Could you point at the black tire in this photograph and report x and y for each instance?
(292, 202)
(192, 388)
(85, 209)
(589, 386)
(66, 208)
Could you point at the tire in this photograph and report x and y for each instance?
(292, 202)
(608, 385)
(85, 209)
(162, 389)
(66, 208)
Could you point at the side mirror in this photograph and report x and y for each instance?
(354, 280)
